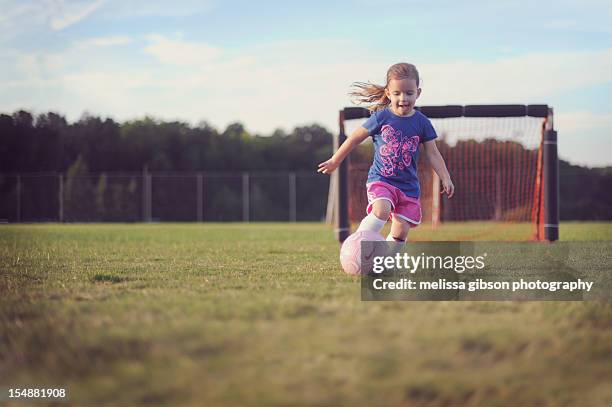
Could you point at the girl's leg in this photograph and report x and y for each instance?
(399, 230)
(377, 218)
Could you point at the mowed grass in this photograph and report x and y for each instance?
(260, 314)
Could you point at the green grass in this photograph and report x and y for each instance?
(260, 314)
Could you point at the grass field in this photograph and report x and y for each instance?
(260, 314)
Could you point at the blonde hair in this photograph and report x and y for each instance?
(366, 92)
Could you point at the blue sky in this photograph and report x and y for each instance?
(283, 64)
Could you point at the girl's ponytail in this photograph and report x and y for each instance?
(366, 92)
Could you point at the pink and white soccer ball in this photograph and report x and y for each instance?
(350, 252)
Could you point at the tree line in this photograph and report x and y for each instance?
(49, 143)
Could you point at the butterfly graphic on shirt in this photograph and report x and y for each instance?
(397, 151)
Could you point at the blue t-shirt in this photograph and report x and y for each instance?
(396, 148)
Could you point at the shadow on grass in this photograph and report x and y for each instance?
(108, 278)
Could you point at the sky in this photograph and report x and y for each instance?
(282, 64)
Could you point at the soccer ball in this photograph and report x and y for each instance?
(350, 252)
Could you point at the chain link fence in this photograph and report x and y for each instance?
(163, 197)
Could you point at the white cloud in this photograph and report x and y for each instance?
(138, 8)
(28, 16)
(178, 52)
(529, 78)
(105, 41)
(292, 83)
(38, 66)
(99, 82)
(20, 17)
(577, 26)
(578, 121)
(584, 137)
(110, 93)
(15, 17)
(66, 13)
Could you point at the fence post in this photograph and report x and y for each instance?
(343, 222)
(498, 197)
(200, 197)
(18, 198)
(146, 195)
(61, 196)
(245, 197)
(435, 200)
(292, 197)
(331, 199)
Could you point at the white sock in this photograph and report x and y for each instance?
(371, 222)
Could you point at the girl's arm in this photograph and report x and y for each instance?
(327, 167)
(437, 162)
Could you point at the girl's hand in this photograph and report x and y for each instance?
(327, 167)
(448, 187)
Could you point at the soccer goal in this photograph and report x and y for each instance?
(502, 159)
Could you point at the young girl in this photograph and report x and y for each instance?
(397, 130)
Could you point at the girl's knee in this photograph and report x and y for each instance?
(381, 209)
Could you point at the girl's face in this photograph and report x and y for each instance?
(403, 94)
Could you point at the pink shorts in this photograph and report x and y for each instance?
(402, 206)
